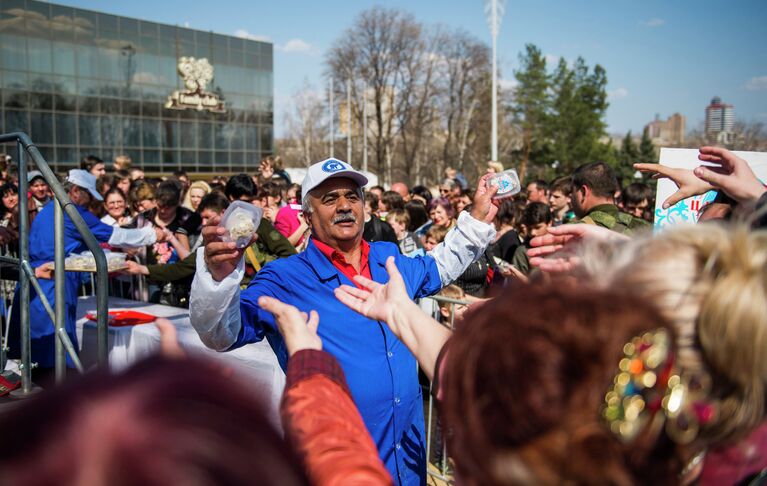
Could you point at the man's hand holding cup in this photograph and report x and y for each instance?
(221, 257)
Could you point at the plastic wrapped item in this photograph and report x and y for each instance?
(115, 260)
(507, 183)
(86, 262)
(241, 220)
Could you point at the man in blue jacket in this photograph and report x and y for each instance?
(81, 188)
(380, 371)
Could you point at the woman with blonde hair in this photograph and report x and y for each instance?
(710, 282)
(197, 191)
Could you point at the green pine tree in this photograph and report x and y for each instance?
(531, 104)
(579, 103)
(647, 149)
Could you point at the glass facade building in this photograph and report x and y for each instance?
(81, 82)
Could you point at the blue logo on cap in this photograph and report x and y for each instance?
(332, 165)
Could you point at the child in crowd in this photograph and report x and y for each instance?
(270, 199)
(434, 237)
(450, 312)
(409, 243)
(289, 220)
(536, 221)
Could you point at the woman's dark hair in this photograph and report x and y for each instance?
(118, 191)
(423, 192)
(5, 189)
(239, 186)
(8, 188)
(392, 200)
(105, 180)
(121, 175)
(182, 421)
(169, 193)
(525, 378)
(510, 213)
(536, 213)
(271, 189)
(214, 201)
(418, 215)
(89, 161)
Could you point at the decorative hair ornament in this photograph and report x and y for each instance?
(649, 391)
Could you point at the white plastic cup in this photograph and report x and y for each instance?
(241, 221)
(507, 183)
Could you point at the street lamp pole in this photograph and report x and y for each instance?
(330, 117)
(494, 12)
(365, 127)
(349, 121)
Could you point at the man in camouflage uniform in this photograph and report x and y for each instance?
(593, 189)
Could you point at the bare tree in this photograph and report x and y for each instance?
(418, 106)
(465, 84)
(749, 136)
(305, 125)
(374, 50)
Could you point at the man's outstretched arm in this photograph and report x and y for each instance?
(214, 302)
(468, 240)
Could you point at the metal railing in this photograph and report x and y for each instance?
(63, 204)
(432, 424)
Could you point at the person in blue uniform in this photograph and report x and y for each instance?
(81, 188)
(381, 372)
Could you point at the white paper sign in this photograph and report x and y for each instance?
(687, 210)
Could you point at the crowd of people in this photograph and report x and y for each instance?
(586, 349)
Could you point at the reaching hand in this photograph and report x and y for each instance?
(378, 301)
(45, 271)
(298, 329)
(7, 235)
(159, 234)
(221, 257)
(169, 346)
(687, 183)
(561, 243)
(134, 268)
(270, 213)
(733, 174)
(484, 207)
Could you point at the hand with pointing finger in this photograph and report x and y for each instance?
(688, 184)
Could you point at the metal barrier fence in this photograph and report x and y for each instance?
(434, 434)
(25, 148)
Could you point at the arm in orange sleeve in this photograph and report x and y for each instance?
(322, 423)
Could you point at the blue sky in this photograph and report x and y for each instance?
(661, 56)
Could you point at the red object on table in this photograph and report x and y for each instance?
(6, 386)
(120, 318)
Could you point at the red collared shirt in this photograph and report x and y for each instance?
(338, 260)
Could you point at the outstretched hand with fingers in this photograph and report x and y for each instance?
(731, 174)
(169, 346)
(556, 251)
(686, 181)
(377, 301)
(298, 329)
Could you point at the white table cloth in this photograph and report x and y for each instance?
(129, 344)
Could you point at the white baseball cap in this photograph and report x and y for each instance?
(33, 174)
(86, 180)
(327, 169)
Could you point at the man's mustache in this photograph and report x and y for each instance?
(344, 218)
